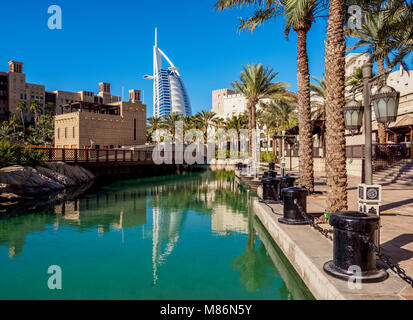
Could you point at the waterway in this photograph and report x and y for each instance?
(190, 236)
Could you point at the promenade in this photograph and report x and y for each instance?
(396, 233)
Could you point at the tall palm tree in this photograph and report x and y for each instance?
(205, 119)
(299, 16)
(154, 122)
(335, 49)
(255, 84)
(279, 116)
(21, 106)
(36, 109)
(376, 38)
(169, 122)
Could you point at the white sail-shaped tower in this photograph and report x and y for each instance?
(169, 92)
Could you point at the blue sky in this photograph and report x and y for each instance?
(112, 41)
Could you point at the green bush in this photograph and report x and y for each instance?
(33, 158)
(266, 156)
(8, 153)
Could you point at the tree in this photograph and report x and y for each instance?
(335, 48)
(279, 116)
(36, 109)
(49, 109)
(21, 106)
(376, 38)
(255, 84)
(154, 123)
(205, 119)
(5, 131)
(169, 122)
(299, 16)
(14, 122)
(318, 103)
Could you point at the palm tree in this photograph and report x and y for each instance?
(299, 15)
(205, 119)
(255, 84)
(21, 106)
(169, 122)
(14, 122)
(279, 116)
(318, 102)
(155, 123)
(376, 38)
(49, 108)
(36, 109)
(335, 49)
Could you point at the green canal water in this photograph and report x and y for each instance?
(190, 236)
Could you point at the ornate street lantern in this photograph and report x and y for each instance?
(353, 115)
(291, 140)
(386, 104)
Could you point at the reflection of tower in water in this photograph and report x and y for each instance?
(166, 227)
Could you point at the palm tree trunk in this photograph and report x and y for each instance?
(23, 124)
(335, 48)
(252, 124)
(304, 114)
(381, 128)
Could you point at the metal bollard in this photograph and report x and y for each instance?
(292, 214)
(351, 251)
(286, 182)
(270, 190)
(269, 174)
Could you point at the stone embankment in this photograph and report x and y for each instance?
(19, 184)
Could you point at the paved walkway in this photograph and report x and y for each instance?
(396, 220)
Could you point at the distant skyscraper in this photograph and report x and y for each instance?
(169, 92)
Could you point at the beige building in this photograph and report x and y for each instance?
(65, 98)
(107, 126)
(18, 90)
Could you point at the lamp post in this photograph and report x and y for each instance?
(386, 105)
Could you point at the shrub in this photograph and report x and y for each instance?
(8, 153)
(34, 158)
(266, 156)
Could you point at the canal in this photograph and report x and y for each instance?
(190, 236)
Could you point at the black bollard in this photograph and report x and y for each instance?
(292, 215)
(269, 174)
(270, 190)
(286, 182)
(350, 251)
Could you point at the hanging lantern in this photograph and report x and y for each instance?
(386, 104)
(353, 115)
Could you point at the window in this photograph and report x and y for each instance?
(65, 132)
(58, 132)
(134, 129)
(73, 132)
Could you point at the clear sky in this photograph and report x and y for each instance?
(111, 41)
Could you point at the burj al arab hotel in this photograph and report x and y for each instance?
(169, 92)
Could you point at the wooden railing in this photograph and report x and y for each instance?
(96, 156)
